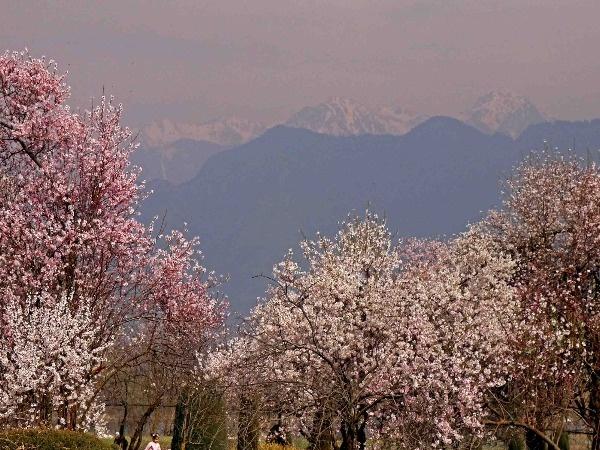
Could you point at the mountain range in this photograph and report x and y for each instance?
(169, 152)
(344, 117)
(249, 204)
(226, 132)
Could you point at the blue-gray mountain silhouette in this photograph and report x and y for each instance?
(251, 203)
(177, 161)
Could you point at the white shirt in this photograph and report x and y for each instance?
(152, 446)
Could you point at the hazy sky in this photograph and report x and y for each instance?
(194, 59)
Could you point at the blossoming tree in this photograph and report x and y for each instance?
(69, 233)
(550, 223)
(50, 350)
(362, 341)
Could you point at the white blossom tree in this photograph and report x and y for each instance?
(550, 224)
(47, 358)
(362, 341)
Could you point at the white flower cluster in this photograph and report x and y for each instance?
(47, 355)
(405, 348)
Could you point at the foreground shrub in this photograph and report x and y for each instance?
(37, 439)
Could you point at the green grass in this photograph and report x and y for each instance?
(48, 439)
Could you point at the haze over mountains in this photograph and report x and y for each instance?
(249, 203)
(176, 151)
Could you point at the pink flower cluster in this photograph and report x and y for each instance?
(69, 230)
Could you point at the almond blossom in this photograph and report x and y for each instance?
(550, 223)
(364, 342)
(69, 228)
(47, 357)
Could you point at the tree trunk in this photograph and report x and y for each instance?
(563, 441)
(61, 413)
(248, 425)
(45, 409)
(123, 419)
(533, 441)
(72, 417)
(321, 434)
(177, 442)
(362, 436)
(595, 410)
(349, 436)
(136, 439)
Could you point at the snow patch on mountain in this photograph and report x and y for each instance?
(345, 117)
(503, 112)
(229, 132)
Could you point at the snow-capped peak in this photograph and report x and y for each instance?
(503, 112)
(229, 131)
(338, 116)
(345, 117)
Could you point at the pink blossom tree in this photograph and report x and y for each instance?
(550, 223)
(68, 229)
(363, 341)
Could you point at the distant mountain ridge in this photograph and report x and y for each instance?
(249, 203)
(497, 111)
(345, 117)
(169, 152)
(226, 132)
(176, 151)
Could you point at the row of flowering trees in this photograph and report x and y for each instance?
(87, 291)
(375, 339)
(418, 344)
(550, 225)
(426, 344)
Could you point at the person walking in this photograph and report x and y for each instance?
(153, 444)
(121, 441)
